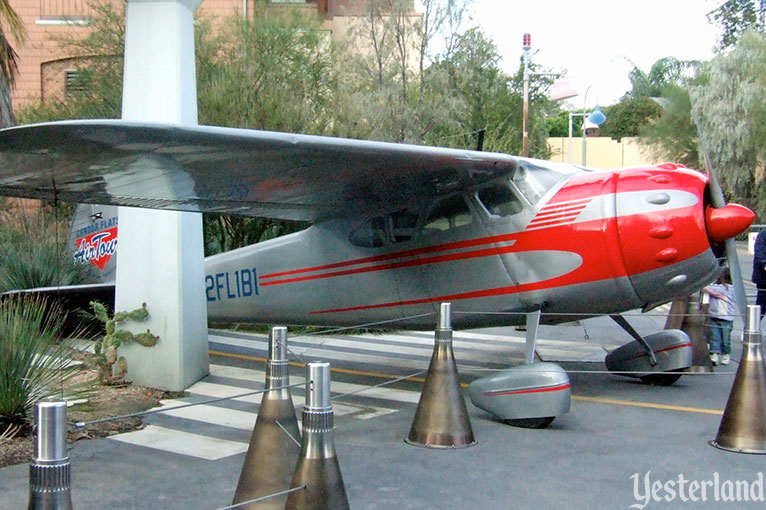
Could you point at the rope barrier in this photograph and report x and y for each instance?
(287, 432)
(385, 383)
(264, 498)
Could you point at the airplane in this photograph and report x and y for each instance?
(398, 229)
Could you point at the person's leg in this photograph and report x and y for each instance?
(715, 340)
(726, 327)
(760, 300)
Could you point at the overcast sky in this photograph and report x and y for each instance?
(591, 39)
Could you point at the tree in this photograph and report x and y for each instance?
(275, 71)
(665, 71)
(393, 93)
(627, 117)
(734, 17)
(731, 104)
(558, 125)
(673, 136)
(11, 26)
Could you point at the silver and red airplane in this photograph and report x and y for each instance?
(396, 229)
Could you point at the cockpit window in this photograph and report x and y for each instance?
(452, 212)
(371, 234)
(403, 225)
(499, 200)
(535, 178)
(376, 232)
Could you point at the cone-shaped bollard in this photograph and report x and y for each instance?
(441, 420)
(274, 445)
(686, 314)
(50, 480)
(318, 468)
(743, 426)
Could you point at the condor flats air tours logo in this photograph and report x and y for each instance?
(715, 491)
(97, 248)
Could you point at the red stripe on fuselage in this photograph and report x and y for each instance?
(553, 216)
(397, 255)
(396, 265)
(547, 211)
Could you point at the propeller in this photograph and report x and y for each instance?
(724, 221)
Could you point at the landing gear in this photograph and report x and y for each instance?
(530, 395)
(656, 359)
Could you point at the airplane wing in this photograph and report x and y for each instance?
(226, 170)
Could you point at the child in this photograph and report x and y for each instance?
(721, 317)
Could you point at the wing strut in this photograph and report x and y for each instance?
(533, 323)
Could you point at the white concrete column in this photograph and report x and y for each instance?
(160, 258)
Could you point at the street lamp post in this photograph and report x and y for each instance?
(565, 92)
(596, 117)
(526, 46)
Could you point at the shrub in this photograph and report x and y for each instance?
(34, 362)
(33, 247)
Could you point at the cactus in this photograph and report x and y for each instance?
(106, 347)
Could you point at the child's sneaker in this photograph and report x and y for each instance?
(725, 359)
(714, 358)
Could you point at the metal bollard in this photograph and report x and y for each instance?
(318, 468)
(743, 425)
(441, 419)
(50, 471)
(274, 448)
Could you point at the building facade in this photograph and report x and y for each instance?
(46, 71)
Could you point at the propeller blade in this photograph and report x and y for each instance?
(718, 202)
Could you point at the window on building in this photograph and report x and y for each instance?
(77, 83)
(64, 12)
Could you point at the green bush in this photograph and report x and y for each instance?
(33, 248)
(33, 360)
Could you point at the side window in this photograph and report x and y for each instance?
(500, 200)
(403, 225)
(371, 234)
(450, 213)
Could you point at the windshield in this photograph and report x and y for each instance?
(534, 178)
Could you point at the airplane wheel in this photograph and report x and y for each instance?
(660, 379)
(532, 423)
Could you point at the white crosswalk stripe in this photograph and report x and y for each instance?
(211, 448)
(184, 443)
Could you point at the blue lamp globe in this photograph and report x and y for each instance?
(597, 117)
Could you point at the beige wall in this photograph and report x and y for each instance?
(603, 152)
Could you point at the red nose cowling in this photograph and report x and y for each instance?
(726, 222)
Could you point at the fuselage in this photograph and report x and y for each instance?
(558, 238)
